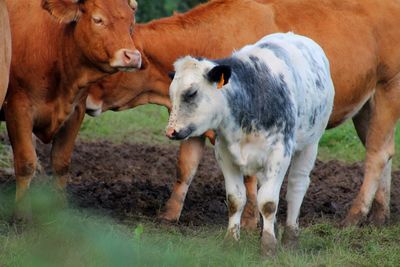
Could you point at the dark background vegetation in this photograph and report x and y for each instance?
(149, 9)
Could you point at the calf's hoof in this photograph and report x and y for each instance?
(268, 245)
(290, 237)
(233, 233)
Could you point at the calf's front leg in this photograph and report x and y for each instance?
(235, 191)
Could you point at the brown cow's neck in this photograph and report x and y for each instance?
(77, 69)
(200, 33)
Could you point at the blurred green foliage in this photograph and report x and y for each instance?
(149, 10)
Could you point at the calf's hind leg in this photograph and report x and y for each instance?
(380, 148)
(298, 182)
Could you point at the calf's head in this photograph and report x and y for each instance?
(101, 29)
(197, 101)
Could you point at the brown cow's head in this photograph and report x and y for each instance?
(102, 30)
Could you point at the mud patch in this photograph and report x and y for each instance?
(134, 180)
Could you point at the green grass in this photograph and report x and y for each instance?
(75, 238)
(79, 238)
(146, 124)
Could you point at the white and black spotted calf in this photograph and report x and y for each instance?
(269, 104)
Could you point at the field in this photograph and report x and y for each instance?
(122, 173)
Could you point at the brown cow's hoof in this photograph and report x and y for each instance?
(167, 218)
(268, 245)
(380, 215)
(352, 219)
(380, 219)
(249, 223)
(61, 199)
(290, 237)
(22, 217)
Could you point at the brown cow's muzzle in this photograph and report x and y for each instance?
(126, 60)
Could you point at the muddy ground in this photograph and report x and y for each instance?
(134, 180)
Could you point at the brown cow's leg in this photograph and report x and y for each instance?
(19, 127)
(39, 168)
(250, 215)
(63, 146)
(380, 148)
(380, 210)
(190, 154)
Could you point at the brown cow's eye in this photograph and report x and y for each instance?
(97, 20)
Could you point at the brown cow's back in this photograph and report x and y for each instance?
(354, 36)
(5, 50)
(360, 37)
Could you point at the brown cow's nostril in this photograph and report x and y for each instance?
(127, 59)
(128, 56)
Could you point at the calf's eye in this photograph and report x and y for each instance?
(190, 95)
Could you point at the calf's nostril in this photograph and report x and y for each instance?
(171, 133)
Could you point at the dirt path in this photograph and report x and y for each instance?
(135, 180)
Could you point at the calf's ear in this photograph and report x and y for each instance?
(220, 75)
(64, 11)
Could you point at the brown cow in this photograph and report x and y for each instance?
(360, 37)
(5, 50)
(59, 47)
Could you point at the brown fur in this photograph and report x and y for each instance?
(5, 50)
(52, 65)
(232, 206)
(360, 37)
(268, 209)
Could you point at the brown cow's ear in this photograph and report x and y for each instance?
(65, 11)
(171, 75)
(133, 4)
